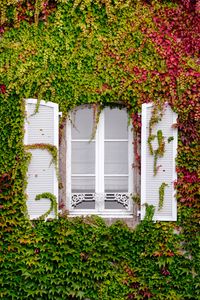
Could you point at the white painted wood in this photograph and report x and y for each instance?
(131, 159)
(100, 175)
(100, 154)
(151, 183)
(41, 128)
(68, 166)
(115, 140)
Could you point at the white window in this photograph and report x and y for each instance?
(99, 170)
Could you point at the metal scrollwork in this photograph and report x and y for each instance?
(122, 198)
(78, 198)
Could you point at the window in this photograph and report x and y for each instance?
(99, 172)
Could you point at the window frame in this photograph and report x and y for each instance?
(99, 172)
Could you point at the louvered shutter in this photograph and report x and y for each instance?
(166, 171)
(41, 128)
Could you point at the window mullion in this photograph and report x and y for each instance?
(131, 158)
(68, 164)
(100, 164)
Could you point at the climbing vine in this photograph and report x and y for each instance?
(50, 148)
(100, 53)
(53, 206)
(159, 152)
(161, 195)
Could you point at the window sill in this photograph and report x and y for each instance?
(129, 219)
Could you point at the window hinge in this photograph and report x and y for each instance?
(60, 113)
(138, 213)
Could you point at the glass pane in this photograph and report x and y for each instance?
(83, 184)
(116, 184)
(85, 204)
(82, 123)
(83, 158)
(83, 196)
(116, 157)
(116, 123)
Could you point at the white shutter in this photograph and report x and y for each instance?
(41, 128)
(166, 172)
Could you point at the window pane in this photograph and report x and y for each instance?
(83, 196)
(83, 184)
(116, 123)
(83, 158)
(116, 184)
(116, 157)
(82, 123)
(87, 203)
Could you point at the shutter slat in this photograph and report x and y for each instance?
(40, 125)
(41, 128)
(166, 173)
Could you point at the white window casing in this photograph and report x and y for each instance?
(166, 171)
(41, 128)
(95, 179)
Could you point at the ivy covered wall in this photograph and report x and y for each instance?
(103, 53)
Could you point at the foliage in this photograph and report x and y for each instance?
(83, 258)
(53, 206)
(50, 148)
(159, 152)
(161, 195)
(150, 210)
(100, 53)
